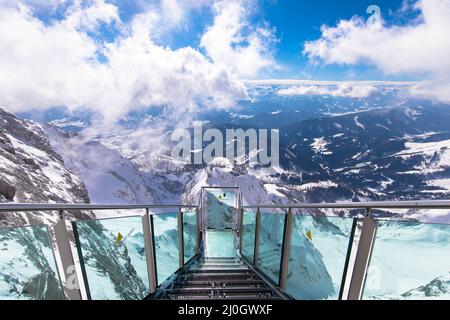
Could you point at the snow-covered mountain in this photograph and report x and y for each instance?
(27, 267)
(356, 142)
(32, 171)
(438, 288)
(110, 177)
(389, 152)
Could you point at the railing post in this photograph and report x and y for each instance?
(180, 238)
(287, 236)
(241, 229)
(344, 282)
(149, 251)
(366, 240)
(257, 230)
(72, 284)
(198, 235)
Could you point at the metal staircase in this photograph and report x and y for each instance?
(217, 279)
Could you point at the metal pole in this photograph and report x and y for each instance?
(180, 239)
(198, 237)
(72, 287)
(201, 210)
(367, 238)
(257, 230)
(287, 236)
(149, 251)
(344, 282)
(241, 221)
(241, 229)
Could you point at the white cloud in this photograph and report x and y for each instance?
(90, 17)
(176, 12)
(232, 41)
(339, 90)
(57, 64)
(421, 48)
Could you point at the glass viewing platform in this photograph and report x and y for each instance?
(222, 249)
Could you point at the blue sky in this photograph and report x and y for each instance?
(295, 22)
(300, 21)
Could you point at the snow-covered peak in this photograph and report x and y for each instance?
(31, 170)
(253, 188)
(221, 162)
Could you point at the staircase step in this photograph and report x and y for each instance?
(233, 283)
(218, 277)
(219, 262)
(240, 293)
(218, 268)
(219, 271)
(225, 260)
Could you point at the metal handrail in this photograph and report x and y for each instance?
(426, 204)
(23, 207)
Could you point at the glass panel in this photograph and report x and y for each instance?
(248, 234)
(270, 244)
(189, 234)
(113, 256)
(165, 228)
(220, 244)
(220, 207)
(317, 256)
(27, 265)
(409, 261)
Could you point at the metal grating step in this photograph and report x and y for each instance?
(220, 284)
(218, 268)
(219, 258)
(241, 293)
(220, 263)
(220, 277)
(218, 271)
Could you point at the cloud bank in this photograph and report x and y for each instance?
(68, 62)
(233, 42)
(339, 90)
(418, 49)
